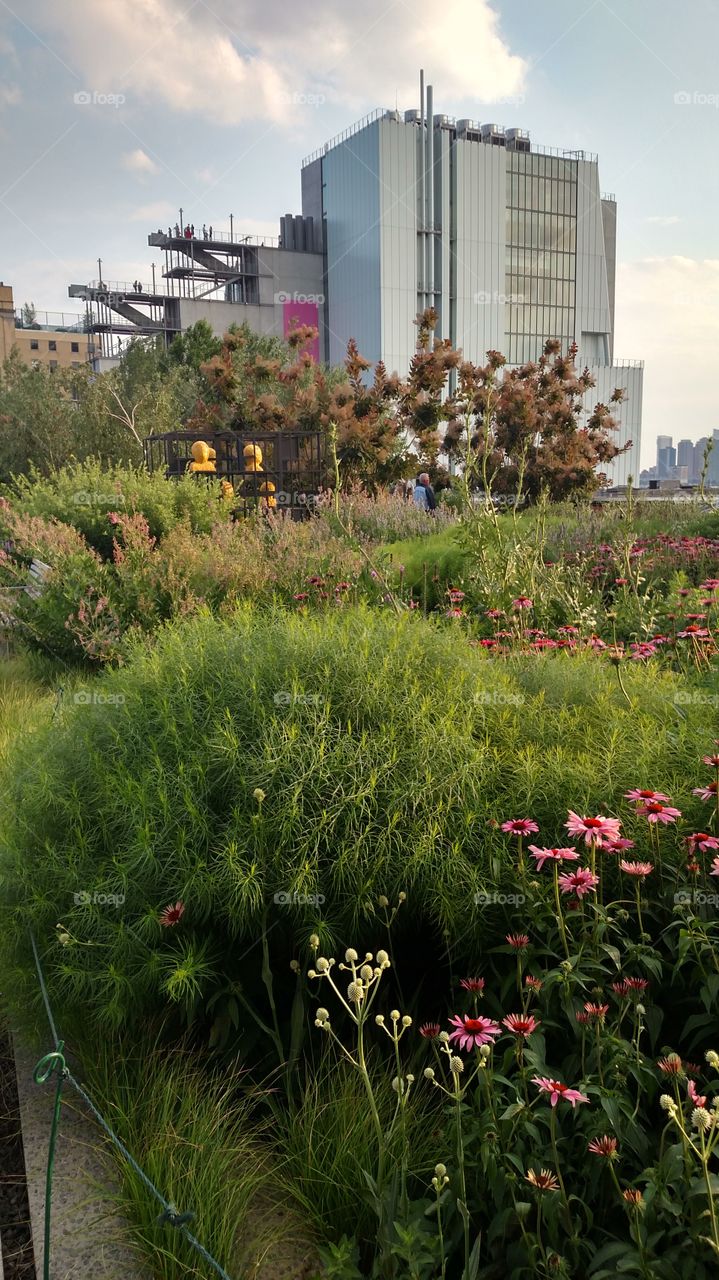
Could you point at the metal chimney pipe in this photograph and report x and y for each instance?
(421, 240)
(430, 197)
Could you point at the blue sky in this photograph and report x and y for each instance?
(213, 105)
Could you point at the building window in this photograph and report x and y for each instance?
(74, 346)
(34, 344)
(52, 345)
(76, 364)
(53, 366)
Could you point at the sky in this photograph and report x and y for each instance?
(115, 113)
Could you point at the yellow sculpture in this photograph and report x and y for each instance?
(227, 492)
(267, 489)
(252, 454)
(203, 457)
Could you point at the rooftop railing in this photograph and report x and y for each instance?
(71, 321)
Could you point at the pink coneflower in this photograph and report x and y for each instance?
(712, 761)
(619, 846)
(639, 869)
(472, 984)
(172, 915)
(598, 830)
(520, 827)
(654, 811)
(533, 984)
(430, 1030)
(456, 596)
(520, 941)
(543, 1180)
(301, 595)
(641, 797)
(522, 602)
(596, 1012)
(315, 581)
(582, 1017)
(637, 984)
(342, 586)
(453, 613)
(557, 1090)
(693, 632)
(715, 867)
(697, 1099)
(493, 613)
(604, 1146)
(471, 1033)
(627, 986)
(621, 582)
(700, 840)
(579, 882)
(706, 793)
(552, 855)
(671, 1065)
(520, 1024)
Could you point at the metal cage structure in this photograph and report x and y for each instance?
(273, 470)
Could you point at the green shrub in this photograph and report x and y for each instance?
(385, 750)
(85, 494)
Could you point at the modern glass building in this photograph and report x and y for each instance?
(511, 243)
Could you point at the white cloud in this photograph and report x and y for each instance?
(663, 220)
(138, 161)
(10, 95)
(264, 58)
(160, 212)
(668, 315)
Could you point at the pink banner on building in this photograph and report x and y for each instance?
(295, 314)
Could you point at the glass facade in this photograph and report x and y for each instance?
(541, 244)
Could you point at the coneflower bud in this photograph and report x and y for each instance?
(379, 1019)
(440, 1170)
(382, 959)
(351, 955)
(485, 1051)
(409, 1079)
(406, 1021)
(312, 973)
(429, 1073)
(456, 1065)
(395, 1015)
(323, 965)
(403, 897)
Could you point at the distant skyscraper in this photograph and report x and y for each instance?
(666, 458)
(699, 448)
(685, 457)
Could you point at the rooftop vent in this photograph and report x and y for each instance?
(393, 115)
(492, 133)
(441, 122)
(411, 116)
(518, 140)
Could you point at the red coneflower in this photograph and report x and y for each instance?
(604, 1146)
(520, 941)
(456, 596)
(697, 1099)
(637, 984)
(301, 595)
(533, 984)
(430, 1030)
(473, 984)
(172, 915)
(671, 1065)
(522, 602)
(596, 1012)
(619, 846)
(520, 1024)
(471, 1033)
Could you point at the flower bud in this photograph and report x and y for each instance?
(351, 955)
(379, 1019)
(382, 959)
(485, 1051)
(440, 1170)
(443, 1037)
(429, 1073)
(314, 941)
(382, 901)
(294, 966)
(406, 1021)
(456, 1065)
(409, 1079)
(258, 795)
(395, 1015)
(712, 1058)
(355, 992)
(403, 897)
(323, 965)
(701, 1118)
(395, 1084)
(366, 972)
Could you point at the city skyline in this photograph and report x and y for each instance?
(114, 116)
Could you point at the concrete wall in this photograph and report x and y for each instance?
(397, 243)
(352, 209)
(629, 415)
(593, 315)
(481, 186)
